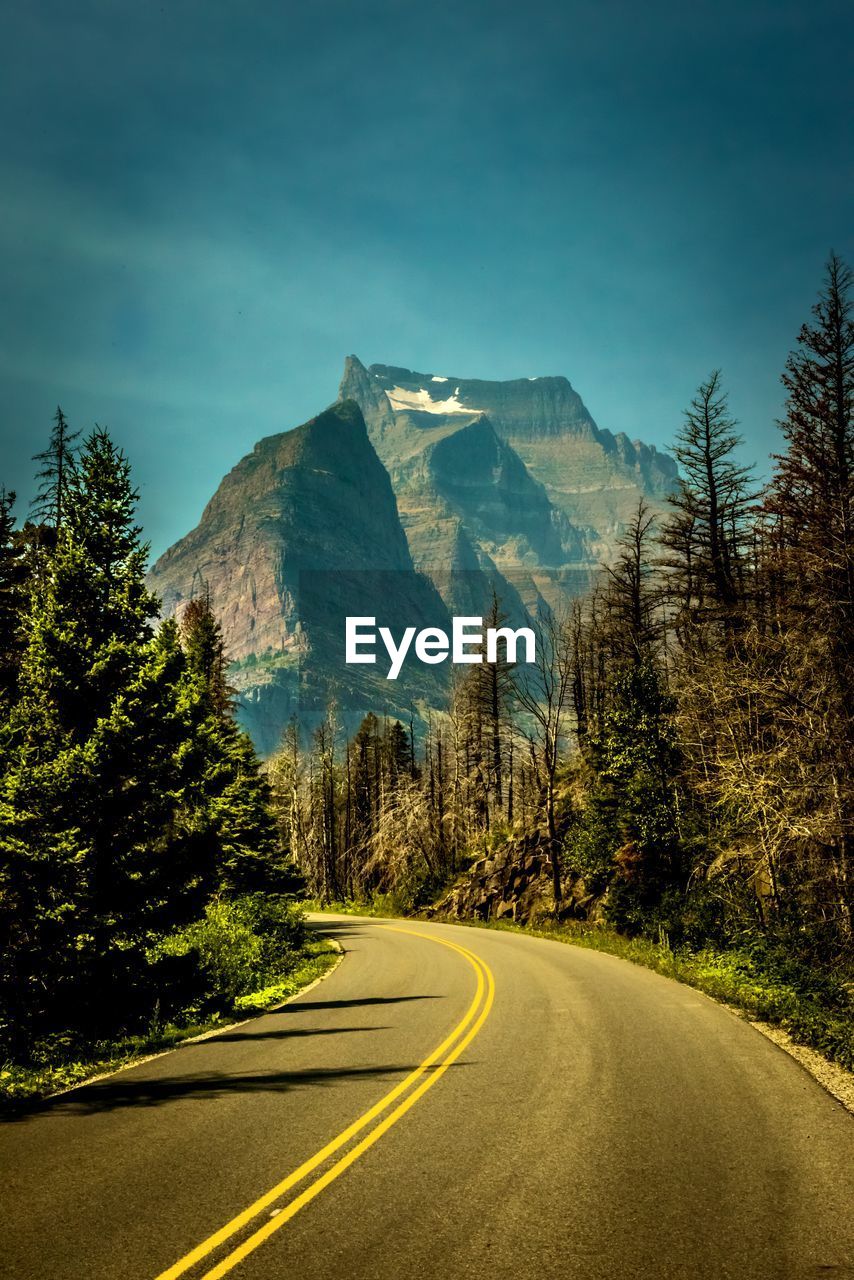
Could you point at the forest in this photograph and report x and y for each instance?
(681, 748)
(143, 887)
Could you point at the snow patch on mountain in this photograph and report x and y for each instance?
(403, 401)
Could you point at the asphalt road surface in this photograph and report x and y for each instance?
(448, 1103)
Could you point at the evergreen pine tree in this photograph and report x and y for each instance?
(201, 636)
(102, 522)
(250, 853)
(812, 495)
(55, 474)
(92, 612)
(630, 600)
(12, 574)
(93, 785)
(398, 753)
(811, 504)
(633, 806)
(706, 535)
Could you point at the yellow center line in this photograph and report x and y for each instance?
(485, 982)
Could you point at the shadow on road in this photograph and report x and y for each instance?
(298, 1005)
(249, 1034)
(123, 1091)
(334, 927)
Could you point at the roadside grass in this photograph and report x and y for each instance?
(796, 1003)
(60, 1064)
(382, 904)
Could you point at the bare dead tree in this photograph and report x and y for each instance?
(543, 692)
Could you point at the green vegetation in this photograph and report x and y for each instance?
(142, 882)
(272, 660)
(61, 1061)
(679, 757)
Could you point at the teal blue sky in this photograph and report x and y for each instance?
(206, 206)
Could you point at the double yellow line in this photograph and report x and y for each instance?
(409, 1091)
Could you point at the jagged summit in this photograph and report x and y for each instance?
(453, 472)
(535, 406)
(318, 493)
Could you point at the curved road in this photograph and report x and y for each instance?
(448, 1103)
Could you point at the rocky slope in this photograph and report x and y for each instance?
(468, 505)
(301, 533)
(589, 479)
(515, 883)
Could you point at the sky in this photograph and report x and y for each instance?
(207, 205)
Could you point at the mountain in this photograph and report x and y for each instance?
(414, 497)
(466, 499)
(590, 478)
(303, 532)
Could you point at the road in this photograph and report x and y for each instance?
(448, 1103)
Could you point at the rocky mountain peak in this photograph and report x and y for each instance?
(303, 532)
(412, 496)
(304, 483)
(521, 406)
(591, 476)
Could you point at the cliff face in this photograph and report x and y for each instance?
(465, 497)
(484, 481)
(590, 478)
(523, 408)
(302, 533)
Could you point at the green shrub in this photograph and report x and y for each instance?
(239, 945)
(223, 954)
(279, 923)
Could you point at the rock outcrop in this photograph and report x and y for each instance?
(516, 884)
